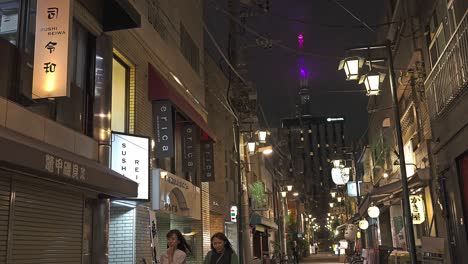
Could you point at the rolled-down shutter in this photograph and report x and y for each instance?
(4, 212)
(48, 224)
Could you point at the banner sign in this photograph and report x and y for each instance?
(189, 163)
(417, 209)
(207, 160)
(51, 50)
(130, 157)
(163, 129)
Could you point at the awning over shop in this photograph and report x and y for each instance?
(160, 89)
(260, 220)
(388, 192)
(38, 159)
(120, 14)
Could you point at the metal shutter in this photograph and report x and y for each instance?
(48, 223)
(4, 212)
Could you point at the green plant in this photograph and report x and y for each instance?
(257, 192)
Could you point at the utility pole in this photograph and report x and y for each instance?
(243, 218)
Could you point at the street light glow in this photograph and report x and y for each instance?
(262, 135)
(372, 82)
(283, 194)
(351, 67)
(289, 187)
(296, 194)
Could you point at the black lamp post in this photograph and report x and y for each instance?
(372, 84)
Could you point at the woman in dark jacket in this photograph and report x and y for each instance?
(221, 251)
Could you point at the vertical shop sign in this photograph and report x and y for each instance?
(188, 148)
(417, 209)
(51, 50)
(207, 161)
(163, 129)
(130, 158)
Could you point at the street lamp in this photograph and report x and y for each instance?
(331, 205)
(251, 146)
(262, 135)
(333, 194)
(296, 194)
(339, 199)
(289, 187)
(283, 194)
(371, 87)
(351, 67)
(372, 82)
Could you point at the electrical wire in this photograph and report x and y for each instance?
(354, 16)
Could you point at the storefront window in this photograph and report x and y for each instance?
(9, 14)
(120, 74)
(74, 111)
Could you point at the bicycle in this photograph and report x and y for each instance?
(385, 252)
(355, 258)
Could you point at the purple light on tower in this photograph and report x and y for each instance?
(300, 39)
(303, 73)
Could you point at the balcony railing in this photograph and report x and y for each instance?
(449, 76)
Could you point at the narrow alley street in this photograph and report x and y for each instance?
(322, 257)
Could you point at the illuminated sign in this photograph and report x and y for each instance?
(130, 157)
(233, 213)
(330, 119)
(417, 209)
(51, 50)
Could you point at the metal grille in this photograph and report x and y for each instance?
(4, 212)
(48, 223)
(449, 76)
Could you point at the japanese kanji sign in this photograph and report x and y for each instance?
(51, 51)
(417, 209)
(65, 168)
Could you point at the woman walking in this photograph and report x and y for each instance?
(177, 248)
(221, 251)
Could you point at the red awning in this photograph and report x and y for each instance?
(160, 89)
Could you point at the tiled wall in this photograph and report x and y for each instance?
(121, 233)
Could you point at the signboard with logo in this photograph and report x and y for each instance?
(207, 160)
(174, 195)
(417, 209)
(189, 163)
(130, 157)
(352, 188)
(163, 129)
(51, 50)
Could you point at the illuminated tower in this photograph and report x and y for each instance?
(303, 80)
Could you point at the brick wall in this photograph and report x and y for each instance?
(217, 223)
(121, 233)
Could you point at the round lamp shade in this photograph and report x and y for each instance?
(373, 211)
(340, 176)
(363, 224)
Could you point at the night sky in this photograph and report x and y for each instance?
(328, 30)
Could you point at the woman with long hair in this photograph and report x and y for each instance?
(221, 251)
(177, 248)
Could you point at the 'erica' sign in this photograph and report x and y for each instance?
(163, 129)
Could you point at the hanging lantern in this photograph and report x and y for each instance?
(363, 224)
(340, 176)
(373, 211)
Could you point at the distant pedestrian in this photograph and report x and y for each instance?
(221, 251)
(177, 248)
(295, 252)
